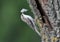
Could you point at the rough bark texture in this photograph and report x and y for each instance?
(49, 11)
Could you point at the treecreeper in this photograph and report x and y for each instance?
(46, 21)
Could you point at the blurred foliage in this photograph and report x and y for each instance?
(12, 29)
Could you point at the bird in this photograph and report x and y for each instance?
(29, 20)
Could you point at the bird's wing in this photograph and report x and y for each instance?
(31, 23)
(34, 27)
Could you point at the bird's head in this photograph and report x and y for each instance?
(23, 10)
(23, 18)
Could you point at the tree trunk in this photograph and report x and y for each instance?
(49, 11)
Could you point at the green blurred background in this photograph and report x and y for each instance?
(12, 29)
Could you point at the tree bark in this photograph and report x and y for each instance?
(49, 11)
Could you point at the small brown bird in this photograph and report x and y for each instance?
(30, 21)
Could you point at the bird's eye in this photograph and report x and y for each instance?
(22, 15)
